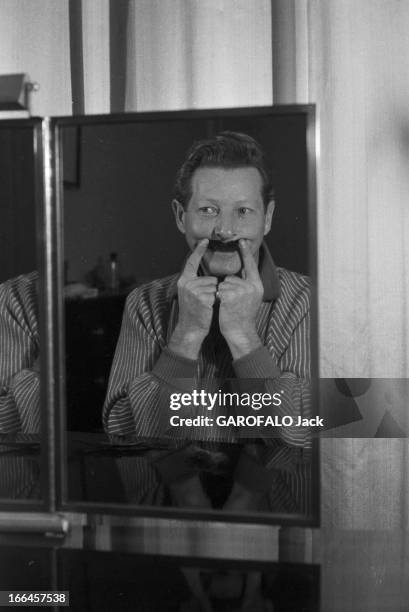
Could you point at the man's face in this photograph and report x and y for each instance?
(226, 205)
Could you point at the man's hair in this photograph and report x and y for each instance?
(230, 150)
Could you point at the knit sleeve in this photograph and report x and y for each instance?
(19, 351)
(144, 374)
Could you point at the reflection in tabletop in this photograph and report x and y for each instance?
(122, 469)
(20, 462)
(102, 581)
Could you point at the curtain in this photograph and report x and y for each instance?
(356, 71)
(358, 76)
(145, 55)
(358, 58)
(90, 55)
(359, 71)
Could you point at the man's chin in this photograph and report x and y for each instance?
(222, 264)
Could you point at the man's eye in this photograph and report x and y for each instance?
(208, 211)
(244, 211)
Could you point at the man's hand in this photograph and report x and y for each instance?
(196, 295)
(189, 493)
(242, 499)
(240, 300)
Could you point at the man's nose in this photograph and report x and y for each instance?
(225, 228)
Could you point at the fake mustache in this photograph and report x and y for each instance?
(227, 247)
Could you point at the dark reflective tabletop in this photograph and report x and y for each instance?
(119, 581)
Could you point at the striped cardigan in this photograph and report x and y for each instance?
(145, 372)
(19, 349)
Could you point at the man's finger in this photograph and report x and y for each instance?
(232, 281)
(207, 291)
(250, 267)
(203, 281)
(225, 296)
(193, 261)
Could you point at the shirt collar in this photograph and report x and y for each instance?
(268, 275)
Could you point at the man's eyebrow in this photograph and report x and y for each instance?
(212, 201)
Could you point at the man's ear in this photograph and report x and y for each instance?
(269, 216)
(179, 213)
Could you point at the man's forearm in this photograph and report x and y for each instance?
(186, 343)
(20, 403)
(243, 343)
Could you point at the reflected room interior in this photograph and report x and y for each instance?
(20, 423)
(118, 176)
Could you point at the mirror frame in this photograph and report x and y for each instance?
(56, 324)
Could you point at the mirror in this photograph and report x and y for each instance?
(20, 423)
(147, 413)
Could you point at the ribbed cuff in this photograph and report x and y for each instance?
(175, 369)
(252, 474)
(257, 364)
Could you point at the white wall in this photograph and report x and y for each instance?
(34, 38)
